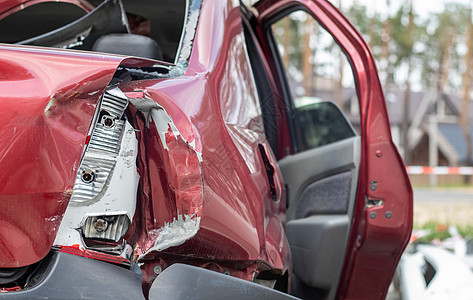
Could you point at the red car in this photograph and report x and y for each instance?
(151, 149)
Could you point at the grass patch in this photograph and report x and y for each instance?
(439, 230)
(466, 231)
(443, 186)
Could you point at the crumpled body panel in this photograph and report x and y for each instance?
(214, 106)
(48, 100)
(203, 194)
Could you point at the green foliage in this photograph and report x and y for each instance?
(403, 34)
(296, 38)
(437, 231)
(427, 43)
(370, 27)
(358, 15)
(425, 46)
(466, 231)
(440, 231)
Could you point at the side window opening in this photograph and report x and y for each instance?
(319, 79)
(321, 123)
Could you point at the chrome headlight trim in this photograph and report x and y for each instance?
(100, 156)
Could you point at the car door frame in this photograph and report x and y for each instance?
(382, 220)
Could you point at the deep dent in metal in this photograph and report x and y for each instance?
(186, 224)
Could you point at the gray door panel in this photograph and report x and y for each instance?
(329, 174)
(322, 185)
(317, 257)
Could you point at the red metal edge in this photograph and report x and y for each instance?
(110, 258)
(372, 264)
(10, 289)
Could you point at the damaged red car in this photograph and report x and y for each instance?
(194, 149)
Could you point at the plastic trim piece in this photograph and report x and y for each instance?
(181, 281)
(73, 277)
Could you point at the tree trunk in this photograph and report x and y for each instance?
(372, 26)
(405, 102)
(286, 41)
(339, 88)
(446, 62)
(405, 117)
(385, 44)
(307, 61)
(466, 92)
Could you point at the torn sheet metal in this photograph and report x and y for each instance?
(173, 234)
(163, 122)
(177, 198)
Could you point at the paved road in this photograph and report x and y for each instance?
(443, 205)
(443, 194)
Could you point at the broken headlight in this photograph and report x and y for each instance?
(103, 201)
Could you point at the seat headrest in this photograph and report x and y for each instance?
(128, 44)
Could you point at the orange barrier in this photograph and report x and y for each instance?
(415, 170)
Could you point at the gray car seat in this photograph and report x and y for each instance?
(128, 44)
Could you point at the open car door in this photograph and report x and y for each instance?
(349, 213)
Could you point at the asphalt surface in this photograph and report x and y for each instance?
(443, 194)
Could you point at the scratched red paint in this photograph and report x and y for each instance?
(40, 144)
(111, 258)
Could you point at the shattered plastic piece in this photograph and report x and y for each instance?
(455, 243)
(434, 273)
(146, 74)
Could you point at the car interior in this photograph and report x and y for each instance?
(129, 27)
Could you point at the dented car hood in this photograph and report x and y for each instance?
(48, 99)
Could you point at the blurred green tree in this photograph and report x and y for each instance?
(438, 48)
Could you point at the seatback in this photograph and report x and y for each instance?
(128, 44)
